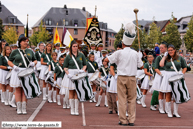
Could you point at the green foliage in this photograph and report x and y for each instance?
(118, 37)
(142, 38)
(1, 28)
(10, 35)
(41, 35)
(153, 36)
(172, 34)
(188, 38)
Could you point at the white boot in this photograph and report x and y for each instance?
(143, 101)
(90, 100)
(19, 108)
(44, 94)
(54, 96)
(161, 106)
(94, 99)
(166, 107)
(152, 108)
(5, 98)
(118, 108)
(58, 99)
(24, 108)
(67, 104)
(106, 101)
(10, 97)
(12, 103)
(99, 101)
(76, 107)
(49, 96)
(72, 110)
(138, 101)
(169, 109)
(175, 113)
(2, 97)
(64, 102)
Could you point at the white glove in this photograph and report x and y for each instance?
(55, 83)
(50, 73)
(97, 70)
(32, 64)
(47, 63)
(165, 54)
(53, 68)
(115, 76)
(15, 68)
(81, 71)
(70, 76)
(8, 67)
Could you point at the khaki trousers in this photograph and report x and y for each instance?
(112, 101)
(126, 87)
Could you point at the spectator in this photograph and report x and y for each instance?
(157, 51)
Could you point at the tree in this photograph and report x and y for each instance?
(188, 38)
(153, 36)
(10, 35)
(142, 38)
(1, 28)
(172, 34)
(118, 37)
(42, 35)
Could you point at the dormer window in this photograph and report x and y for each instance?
(75, 23)
(66, 23)
(12, 20)
(66, 12)
(48, 22)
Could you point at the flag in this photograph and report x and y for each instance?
(88, 21)
(56, 37)
(67, 38)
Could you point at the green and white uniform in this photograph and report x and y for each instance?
(17, 60)
(4, 72)
(47, 58)
(150, 68)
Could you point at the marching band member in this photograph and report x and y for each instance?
(62, 51)
(70, 69)
(103, 74)
(98, 54)
(158, 77)
(112, 92)
(45, 59)
(2, 44)
(52, 64)
(149, 71)
(57, 48)
(92, 66)
(170, 70)
(18, 62)
(67, 50)
(7, 96)
(58, 76)
(127, 61)
(38, 54)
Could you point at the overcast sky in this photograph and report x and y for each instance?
(114, 12)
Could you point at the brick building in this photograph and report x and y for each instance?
(9, 19)
(74, 20)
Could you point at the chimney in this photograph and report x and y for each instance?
(65, 6)
(83, 8)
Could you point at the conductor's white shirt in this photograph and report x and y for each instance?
(127, 61)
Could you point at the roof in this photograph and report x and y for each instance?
(70, 15)
(182, 24)
(6, 16)
(160, 24)
(142, 22)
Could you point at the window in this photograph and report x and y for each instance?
(66, 12)
(48, 22)
(12, 20)
(75, 23)
(75, 31)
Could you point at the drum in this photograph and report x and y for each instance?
(94, 76)
(176, 78)
(141, 76)
(78, 76)
(26, 72)
(46, 72)
(8, 75)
